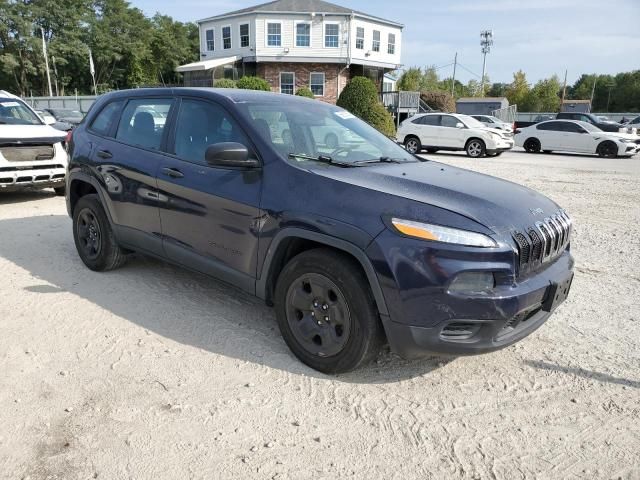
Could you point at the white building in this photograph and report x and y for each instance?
(296, 43)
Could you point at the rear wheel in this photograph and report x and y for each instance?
(326, 312)
(60, 191)
(413, 145)
(94, 237)
(532, 145)
(475, 148)
(608, 150)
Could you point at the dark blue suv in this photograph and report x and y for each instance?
(352, 239)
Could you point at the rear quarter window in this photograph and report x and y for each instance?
(106, 119)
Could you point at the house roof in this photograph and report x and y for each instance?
(300, 6)
(481, 99)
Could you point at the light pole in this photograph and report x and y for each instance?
(486, 41)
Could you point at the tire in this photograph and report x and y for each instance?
(326, 312)
(60, 191)
(475, 148)
(93, 236)
(607, 149)
(532, 145)
(413, 145)
(331, 141)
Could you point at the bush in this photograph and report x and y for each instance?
(225, 83)
(253, 83)
(360, 97)
(305, 92)
(442, 101)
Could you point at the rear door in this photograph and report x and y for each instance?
(578, 138)
(126, 156)
(550, 135)
(209, 214)
(426, 128)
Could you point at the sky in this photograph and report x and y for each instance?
(541, 37)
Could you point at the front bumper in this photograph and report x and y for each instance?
(429, 319)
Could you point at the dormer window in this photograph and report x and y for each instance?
(331, 35)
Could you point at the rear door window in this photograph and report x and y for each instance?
(432, 120)
(107, 118)
(553, 126)
(142, 122)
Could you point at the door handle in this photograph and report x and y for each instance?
(104, 154)
(172, 172)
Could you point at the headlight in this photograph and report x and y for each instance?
(438, 233)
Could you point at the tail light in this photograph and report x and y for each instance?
(67, 140)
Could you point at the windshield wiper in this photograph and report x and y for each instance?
(323, 159)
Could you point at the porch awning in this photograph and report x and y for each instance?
(207, 64)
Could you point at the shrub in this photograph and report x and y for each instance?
(225, 83)
(305, 92)
(360, 97)
(253, 83)
(442, 101)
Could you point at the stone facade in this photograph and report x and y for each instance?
(270, 71)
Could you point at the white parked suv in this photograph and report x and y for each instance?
(451, 131)
(575, 136)
(31, 153)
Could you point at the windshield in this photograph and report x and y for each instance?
(66, 112)
(14, 112)
(319, 131)
(471, 122)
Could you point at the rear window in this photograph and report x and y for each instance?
(107, 117)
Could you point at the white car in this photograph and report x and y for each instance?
(31, 153)
(494, 122)
(452, 131)
(575, 136)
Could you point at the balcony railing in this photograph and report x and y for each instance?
(401, 101)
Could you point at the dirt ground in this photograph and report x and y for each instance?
(153, 372)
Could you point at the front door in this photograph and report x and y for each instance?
(209, 215)
(450, 134)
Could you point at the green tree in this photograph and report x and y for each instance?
(544, 96)
(518, 90)
(360, 97)
(254, 83)
(410, 80)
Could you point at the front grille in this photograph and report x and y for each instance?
(542, 242)
(27, 153)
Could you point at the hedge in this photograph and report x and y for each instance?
(253, 83)
(305, 92)
(225, 83)
(360, 97)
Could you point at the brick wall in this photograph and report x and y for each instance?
(270, 71)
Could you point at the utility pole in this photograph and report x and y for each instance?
(564, 90)
(55, 73)
(486, 40)
(593, 90)
(46, 62)
(453, 80)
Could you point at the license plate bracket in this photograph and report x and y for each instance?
(557, 293)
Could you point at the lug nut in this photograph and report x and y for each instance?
(325, 307)
(319, 322)
(313, 314)
(326, 319)
(315, 304)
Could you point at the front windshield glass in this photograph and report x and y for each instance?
(308, 129)
(14, 112)
(471, 122)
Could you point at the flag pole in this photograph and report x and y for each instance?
(46, 62)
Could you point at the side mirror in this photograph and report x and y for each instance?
(230, 154)
(459, 125)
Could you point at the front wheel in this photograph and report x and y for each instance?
(94, 237)
(326, 312)
(60, 191)
(608, 150)
(413, 145)
(475, 148)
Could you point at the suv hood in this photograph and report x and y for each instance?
(30, 133)
(497, 204)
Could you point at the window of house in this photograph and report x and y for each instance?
(391, 49)
(211, 44)
(226, 37)
(244, 35)
(287, 82)
(274, 34)
(360, 38)
(200, 124)
(303, 34)
(376, 41)
(331, 35)
(142, 122)
(316, 83)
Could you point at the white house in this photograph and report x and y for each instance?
(296, 43)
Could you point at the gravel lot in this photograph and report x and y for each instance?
(152, 372)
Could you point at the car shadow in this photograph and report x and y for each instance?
(27, 195)
(581, 372)
(175, 303)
